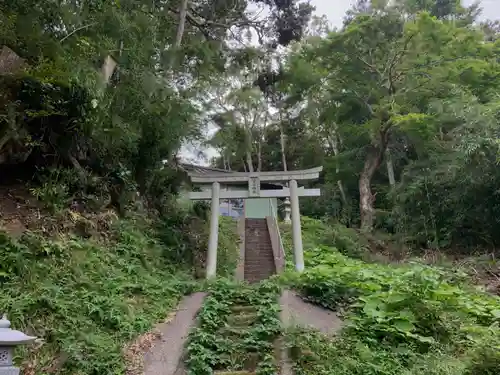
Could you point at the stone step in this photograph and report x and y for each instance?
(248, 361)
(243, 309)
(234, 333)
(241, 320)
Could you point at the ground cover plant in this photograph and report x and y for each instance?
(237, 329)
(86, 299)
(406, 318)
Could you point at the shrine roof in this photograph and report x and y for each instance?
(199, 169)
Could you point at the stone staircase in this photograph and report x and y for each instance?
(259, 262)
(242, 318)
(260, 258)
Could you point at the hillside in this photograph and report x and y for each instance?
(88, 296)
(406, 318)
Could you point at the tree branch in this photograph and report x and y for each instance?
(76, 30)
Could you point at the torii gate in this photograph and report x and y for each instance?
(253, 179)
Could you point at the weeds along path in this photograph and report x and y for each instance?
(238, 331)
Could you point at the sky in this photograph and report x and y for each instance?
(335, 11)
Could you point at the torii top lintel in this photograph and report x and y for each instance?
(277, 176)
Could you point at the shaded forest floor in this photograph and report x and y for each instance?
(21, 211)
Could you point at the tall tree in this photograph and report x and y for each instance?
(385, 78)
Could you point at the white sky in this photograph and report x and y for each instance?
(335, 11)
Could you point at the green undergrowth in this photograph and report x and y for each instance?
(86, 299)
(237, 329)
(316, 233)
(228, 250)
(186, 238)
(400, 319)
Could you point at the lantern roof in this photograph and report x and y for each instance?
(11, 337)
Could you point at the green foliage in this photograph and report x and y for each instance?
(55, 188)
(406, 98)
(313, 353)
(409, 318)
(228, 251)
(217, 345)
(184, 237)
(87, 299)
(318, 233)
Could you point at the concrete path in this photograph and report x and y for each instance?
(296, 311)
(165, 357)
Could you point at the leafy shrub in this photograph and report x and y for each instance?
(316, 233)
(402, 319)
(86, 299)
(315, 354)
(228, 250)
(485, 357)
(184, 235)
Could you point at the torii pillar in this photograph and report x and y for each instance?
(298, 250)
(213, 239)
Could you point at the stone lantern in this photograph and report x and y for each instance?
(9, 339)
(288, 210)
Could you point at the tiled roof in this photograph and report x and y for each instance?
(201, 170)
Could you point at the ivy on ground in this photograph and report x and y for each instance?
(217, 345)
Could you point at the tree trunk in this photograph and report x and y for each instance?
(366, 198)
(182, 23)
(283, 146)
(390, 168)
(224, 162)
(249, 161)
(107, 69)
(180, 33)
(262, 139)
(334, 143)
(259, 156)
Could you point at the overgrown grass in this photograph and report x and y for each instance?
(228, 250)
(316, 233)
(87, 299)
(401, 319)
(188, 242)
